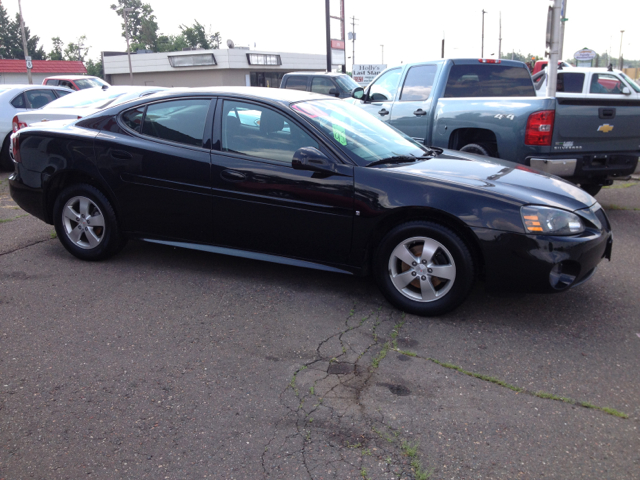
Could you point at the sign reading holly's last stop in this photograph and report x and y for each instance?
(364, 74)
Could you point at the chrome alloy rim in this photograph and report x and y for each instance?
(83, 222)
(422, 269)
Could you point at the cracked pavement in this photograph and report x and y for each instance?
(168, 363)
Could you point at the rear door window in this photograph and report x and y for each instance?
(39, 98)
(322, 85)
(489, 80)
(570, 82)
(19, 102)
(179, 121)
(297, 82)
(417, 86)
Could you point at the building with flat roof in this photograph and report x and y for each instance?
(15, 71)
(201, 68)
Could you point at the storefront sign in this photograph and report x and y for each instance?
(364, 74)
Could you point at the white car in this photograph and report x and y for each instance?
(589, 82)
(82, 103)
(15, 99)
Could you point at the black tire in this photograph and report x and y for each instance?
(5, 160)
(478, 149)
(447, 252)
(86, 223)
(591, 189)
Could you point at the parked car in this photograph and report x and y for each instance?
(21, 98)
(590, 83)
(81, 104)
(489, 107)
(334, 84)
(75, 82)
(318, 183)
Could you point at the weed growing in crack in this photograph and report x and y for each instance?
(540, 394)
(53, 234)
(363, 472)
(381, 355)
(312, 390)
(407, 353)
(410, 449)
(366, 451)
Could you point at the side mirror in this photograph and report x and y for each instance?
(310, 158)
(626, 91)
(357, 93)
(334, 92)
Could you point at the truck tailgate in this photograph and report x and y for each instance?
(592, 125)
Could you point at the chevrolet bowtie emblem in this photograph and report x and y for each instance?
(606, 128)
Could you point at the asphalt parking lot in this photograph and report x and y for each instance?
(171, 364)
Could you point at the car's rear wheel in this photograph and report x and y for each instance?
(5, 159)
(86, 223)
(424, 268)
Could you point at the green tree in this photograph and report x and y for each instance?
(95, 69)
(76, 51)
(36, 52)
(171, 43)
(197, 37)
(58, 45)
(141, 24)
(6, 33)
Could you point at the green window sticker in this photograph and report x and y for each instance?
(339, 134)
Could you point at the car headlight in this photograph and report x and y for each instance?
(550, 221)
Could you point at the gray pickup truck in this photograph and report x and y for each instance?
(489, 107)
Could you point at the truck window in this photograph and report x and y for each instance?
(297, 82)
(489, 80)
(570, 82)
(605, 83)
(322, 85)
(417, 86)
(385, 87)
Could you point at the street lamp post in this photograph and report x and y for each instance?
(126, 33)
(482, 52)
(620, 55)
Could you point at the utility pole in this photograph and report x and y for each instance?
(126, 33)
(500, 39)
(554, 47)
(563, 20)
(482, 51)
(353, 40)
(26, 51)
(328, 19)
(620, 55)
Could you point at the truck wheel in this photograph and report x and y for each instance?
(86, 223)
(424, 268)
(477, 149)
(5, 160)
(591, 189)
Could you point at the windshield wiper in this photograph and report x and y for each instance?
(401, 159)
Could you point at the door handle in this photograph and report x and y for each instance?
(419, 112)
(607, 113)
(233, 176)
(121, 155)
(383, 112)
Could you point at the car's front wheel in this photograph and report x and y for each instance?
(424, 268)
(86, 223)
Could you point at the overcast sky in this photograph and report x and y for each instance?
(410, 30)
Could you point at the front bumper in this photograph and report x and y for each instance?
(541, 263)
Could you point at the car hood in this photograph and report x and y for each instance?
(502, 178)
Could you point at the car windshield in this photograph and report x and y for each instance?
(346, 82)
(633, 84)
(361, 136)
(91, 98)
(90, 83)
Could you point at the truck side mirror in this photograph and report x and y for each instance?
(626, 91)
(358, 93)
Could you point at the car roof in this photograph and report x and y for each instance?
(69, 77)
(328, 74)
(280, 95)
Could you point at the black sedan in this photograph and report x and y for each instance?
(306, 180)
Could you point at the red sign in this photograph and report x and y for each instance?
(337, 44)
